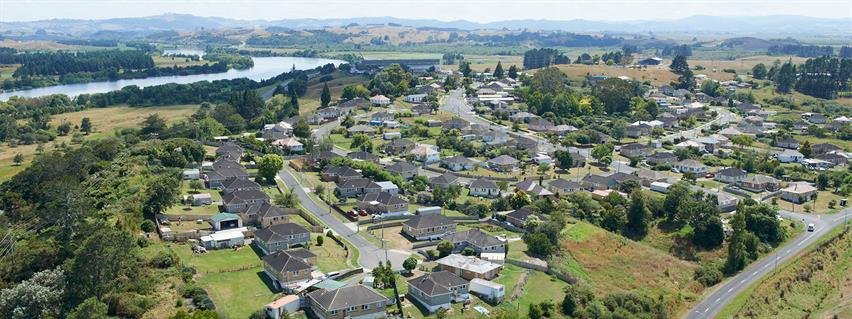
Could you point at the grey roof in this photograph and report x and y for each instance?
(224, 162)
(760, 179)
(279, 232)
(383, 198)
(662, 155)
(458, 160)
(564, 184)
(268, 210)
(236, 183)
(789, 140)
(445, 178)
(281, 261)
(363, 156)
(401, 167)
(483, 183)
(426, 221)
(345, 297)
(224, 173)
(356, 102)
(358, 183)
(300, 253)
(521, 213)
(229, 150)
(503, 160)
(241, 196)
(437, 283)
(690, 163)
(322, 155)
(400, 143)
(731, 171)
(344, 171)
(473, 236)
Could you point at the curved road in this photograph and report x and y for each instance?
(370, 254)
(726, 292)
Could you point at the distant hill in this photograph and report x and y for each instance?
(753, 44)
(776, 24)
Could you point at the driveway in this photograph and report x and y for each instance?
(727, 291)
(370, 254)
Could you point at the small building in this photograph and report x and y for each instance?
(351, 302)
(469, 267)
(339, 173)
(380, 100)
(236, 184)
(503, 163)
(224, 239)
(404, 169)
(519, 216)
(443, 181)
(289, 304)
(798, 192)
(484, 188)
(730, 175)
(563, 186)
(532, 188)
(290, 143)
(759, 183)
(661, 158)
(691, 166)
(191, 174)
(660, 187)
(650, 61)
(414, 98)
(428, 210)
(265, 215)
(425, 153)
(431, 226)
(240, 200)
(225, 221)
(437, 290)
(201, 199)
(788, 143)
(399, 146)
(458, 163)
(354, 187)
(281, 237)
(636, 150)
(817, 164)
(491, 292)
(383, 203)
(790, 156)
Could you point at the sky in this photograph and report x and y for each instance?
(446, 10)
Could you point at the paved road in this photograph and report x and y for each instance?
(370, 254)
(725, 293)
(723, 117)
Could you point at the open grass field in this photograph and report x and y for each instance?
(240, 293)
(742, 65)
(817, 285)
(657, 75)
(330, 256)
(611, 263)
(104, 122)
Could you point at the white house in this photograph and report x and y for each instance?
(425, 153)
(380, 100)
(690, 166)
(290, 143)
(790, 156)
(224, 239)
(490, 291)
(414, 98)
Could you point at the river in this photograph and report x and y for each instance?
(264, 68)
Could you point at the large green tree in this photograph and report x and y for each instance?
(325, 96)
(268, 166)
(102, 264)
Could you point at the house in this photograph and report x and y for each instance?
(522, 117)
(265, 215)
(758, 183)
(425, 153)
(437, 290)
(388, 187)
(225, 221)
(421, 109)
(458, 163)
(432, 226)
(443, 181)
(730, 175)
(788, 143)
(484, 188)
(469, 267)
(289, 304)
(542, 158)
(563, 186)
(817, 164)
(637, 131)
(200, 199)
(285, 269)
(224, 239)
(798, 192)
(238, 201)
(597, 182)
(477, 240)
(219, 176)
(635, 150)
(363, 156)
(650, 61)
(356, 187)
(455, 123)
(429, 88)
(290, 143)
(380, 100)
(281, 236)
(361, 129)
(381, 117)
(835, 158)
(357, 102)
(691, 166)
(383, 203)
(399, 146)
(519, 216)
(352, 302)
(329, 113)
(532, 188)
(523, 143)
(404, 169)
(235, 184)
(491, 292)
(230, 151)
(414, 98)
(339, 173)
(495, 137)
(817, 118)
(540, 125)
(648, 176)
(790, 156)
(823, 148)
(391, 135)
(502, 163)
(563, 129)
(280, 130)
(191, 174)
(661, 158)
(315, 159)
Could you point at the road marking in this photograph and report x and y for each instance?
(730, 289)
(717, 300)
(765, 266)
(742, 281)
(754, 273)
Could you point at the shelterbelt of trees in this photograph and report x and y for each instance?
(40, 69)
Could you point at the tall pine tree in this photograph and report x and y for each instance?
(325, 97)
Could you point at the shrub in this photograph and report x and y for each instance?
(708, 275)
(164, 259)
(148, 226)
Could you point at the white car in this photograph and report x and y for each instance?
(811, 227)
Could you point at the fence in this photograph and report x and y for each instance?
(506, 226)
(561, 276)
(494, 178)
(425, 244)
(385, 225)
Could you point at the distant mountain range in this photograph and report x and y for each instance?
(776, 24)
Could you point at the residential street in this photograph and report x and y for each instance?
(727, 291)
(371, 255)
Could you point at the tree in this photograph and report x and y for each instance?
(63, 129)
(535, 311)
(742, 140)
(615, 94)
(91, 308)
(638, 214)
(538, 244)
(162, 193)
(153, 124)
(302, 129)
(445, 248)
(148, 226)
(565, 161)
(464, 68)
(513, 71)
(325, 96)
(37, 297)
(680, 67)
(196, 184)
(759, 71)
(498, 70)
(806, 149)
(354, 90)
(18, 159)
(603, 153)
(115, 252)
(786, 78)
(410, 263)
(320, 240)
(287, 199)
(268, 166)
(86, 125)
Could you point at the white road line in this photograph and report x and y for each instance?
(730, 289)
(765, 266)
(717, 299)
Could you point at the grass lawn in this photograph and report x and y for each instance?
(330, 256)
(819, 206)
(239, 294)
(393, 238)
(539, 287)
(166, 61)
(218, 260)
(341, 141)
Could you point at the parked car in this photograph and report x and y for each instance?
(362, 212)
(811, 227)
(709, 175)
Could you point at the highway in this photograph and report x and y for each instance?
(370, 254)
(714, 302)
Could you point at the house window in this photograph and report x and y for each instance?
(352, 308)
(365, 307)
(334, 312)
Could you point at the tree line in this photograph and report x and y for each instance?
(544, 57)
(806, 51)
